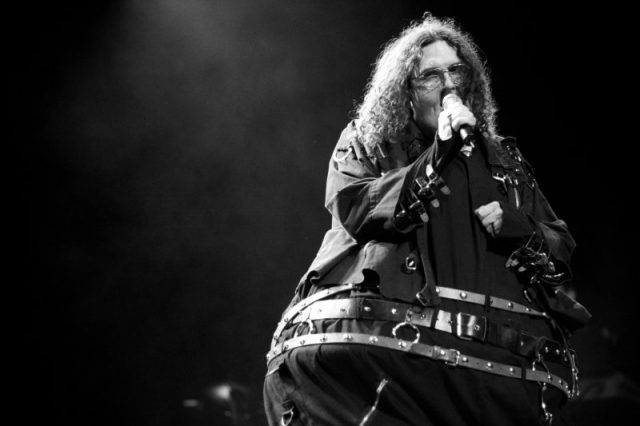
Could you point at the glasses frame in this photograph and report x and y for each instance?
(439, 73)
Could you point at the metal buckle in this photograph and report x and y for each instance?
(475, 327)
(443, 354)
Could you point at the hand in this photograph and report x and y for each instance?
(454, 117)
(491, 217)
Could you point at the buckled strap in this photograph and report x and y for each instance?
(482, 299)
(295, 309)
(463, 325)
(451, 357)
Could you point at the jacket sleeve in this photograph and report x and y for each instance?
(544, 241)
(362, 194)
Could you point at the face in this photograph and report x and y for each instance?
(426, 104)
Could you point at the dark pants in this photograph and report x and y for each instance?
(363, 385)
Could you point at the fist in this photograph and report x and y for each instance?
(452, 118)
(490, 215)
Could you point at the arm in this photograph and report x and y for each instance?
(362, 194)
(528, 225)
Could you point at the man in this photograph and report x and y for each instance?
(435, 298)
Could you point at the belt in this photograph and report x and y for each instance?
(451, 357)
(295, 309)
(463, 325)
(487, 300)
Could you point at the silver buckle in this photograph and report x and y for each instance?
(445, 355)
(478, 325)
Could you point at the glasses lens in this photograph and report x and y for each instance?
(431, 82)
(434, 79)
(458, 73)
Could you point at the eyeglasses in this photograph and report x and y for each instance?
(433, 78)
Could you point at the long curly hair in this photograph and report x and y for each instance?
(385, 110)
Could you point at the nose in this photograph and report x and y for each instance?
(448, 81)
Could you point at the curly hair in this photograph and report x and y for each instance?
(385, 110)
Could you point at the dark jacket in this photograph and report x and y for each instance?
(366, 190)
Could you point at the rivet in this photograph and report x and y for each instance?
(510, 305)
(319, 310)
(422, 316)
(476, 327)
(437, 290)
(343, 309)
(463, 295)
(373, 339)
(402, 344)
(521, 342)
(394, 311)
(285, 347)
(348, 337)
(323, 338)
(302, 342)
(489, 365)
(557, 351)
(512, 370)
(527, 309)
(546, 349)
(442, 353)
(367, 308)
(465, 359)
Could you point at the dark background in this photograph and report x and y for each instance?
(173, 184)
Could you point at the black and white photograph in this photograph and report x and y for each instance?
(324, 213)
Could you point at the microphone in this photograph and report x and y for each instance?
(450, 98)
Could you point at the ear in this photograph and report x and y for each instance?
(411, 108)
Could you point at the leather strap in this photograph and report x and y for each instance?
(451, 357)
(486, 300)
(463, 325)
(295, 309)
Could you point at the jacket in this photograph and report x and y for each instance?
(368, 188)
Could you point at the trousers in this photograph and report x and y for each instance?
(368, 386)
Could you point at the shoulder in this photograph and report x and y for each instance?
(348, 136)
(508, 152)
(351, 141)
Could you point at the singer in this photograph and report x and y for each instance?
(436, 297)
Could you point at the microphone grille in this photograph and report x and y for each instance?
(450, 99)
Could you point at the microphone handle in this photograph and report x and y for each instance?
(465, 137)
(466, 134)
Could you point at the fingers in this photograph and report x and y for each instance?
(444, 126)
(490, 215)
(460, 115)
